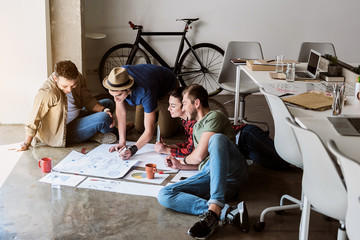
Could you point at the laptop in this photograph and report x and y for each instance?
(346, 125)
(312, 67)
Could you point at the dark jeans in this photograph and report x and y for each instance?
(255, 144)
(87, 124)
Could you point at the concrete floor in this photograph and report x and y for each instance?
(32, 210)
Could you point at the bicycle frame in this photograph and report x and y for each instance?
(140, 40)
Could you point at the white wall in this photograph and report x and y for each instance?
(23, 57)
(279, 25)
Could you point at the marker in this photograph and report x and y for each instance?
(167, 172)
(158, 134)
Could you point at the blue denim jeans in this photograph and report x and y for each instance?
(256, 144)
(219, 180)
(87, 124)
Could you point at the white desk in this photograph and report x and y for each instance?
(315, 120)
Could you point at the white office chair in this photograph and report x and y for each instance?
(321, 183)
(227, 77)
(351, 172)
(287, 148)
(321, 47)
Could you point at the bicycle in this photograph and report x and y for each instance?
(200, 63)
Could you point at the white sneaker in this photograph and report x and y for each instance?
(104, 138)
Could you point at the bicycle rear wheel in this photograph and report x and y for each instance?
(191, 72)
(117, 57)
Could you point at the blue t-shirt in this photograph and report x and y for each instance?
(152, 82)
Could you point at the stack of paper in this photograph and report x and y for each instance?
(311, 100)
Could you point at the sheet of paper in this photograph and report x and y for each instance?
(146, 155)
(153, 157)
(140, 176)
(99, 164)
(120, 186)
(183, 174)
(65, 179)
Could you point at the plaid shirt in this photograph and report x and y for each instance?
(187, 147)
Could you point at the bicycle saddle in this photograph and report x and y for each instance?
(188, 19)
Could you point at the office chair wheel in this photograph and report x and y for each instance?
(280, 212)
(259, 226)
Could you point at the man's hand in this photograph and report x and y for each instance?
(23, 147)
(113, 122)
(172, 162)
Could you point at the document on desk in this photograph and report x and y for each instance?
(120, 186)
(311, 100)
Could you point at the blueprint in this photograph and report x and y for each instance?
(105, 164)
(101, 163)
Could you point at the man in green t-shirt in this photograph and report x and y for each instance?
(222, 169)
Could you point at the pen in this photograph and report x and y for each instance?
(158, 134)
(270, 60)
(167, 172)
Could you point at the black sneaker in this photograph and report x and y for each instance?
(205, 227)
(238, 215)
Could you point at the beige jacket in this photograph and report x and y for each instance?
(47, 122)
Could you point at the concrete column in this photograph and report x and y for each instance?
(67, 31)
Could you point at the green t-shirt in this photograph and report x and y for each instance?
(214, 121)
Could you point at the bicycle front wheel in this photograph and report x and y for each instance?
(117, 56)
(207, 72)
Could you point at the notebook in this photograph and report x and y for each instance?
(312, 67)
(346, 125)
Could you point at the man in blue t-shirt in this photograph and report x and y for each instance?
(145, 86)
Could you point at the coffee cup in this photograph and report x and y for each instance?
(45, 165)
(150, 169)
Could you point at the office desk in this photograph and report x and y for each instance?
(314, 120)
(318, 122)
(261, 78)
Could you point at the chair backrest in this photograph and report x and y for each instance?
(321, 47)
(284, 140)
(236, 49)
(321, 182)
(351, 171)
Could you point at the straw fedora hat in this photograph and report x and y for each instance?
(118, 79)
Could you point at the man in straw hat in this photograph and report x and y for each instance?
(146, 86)
(65, 112)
